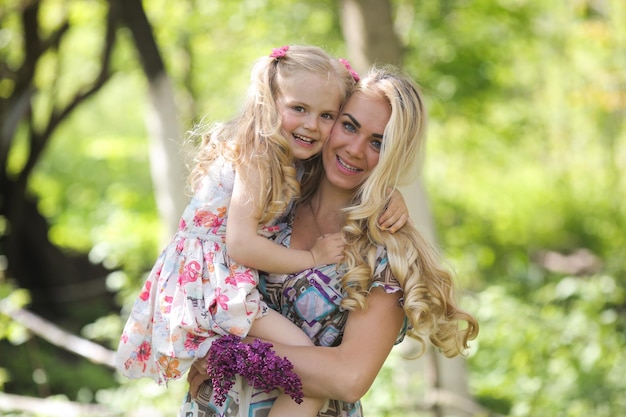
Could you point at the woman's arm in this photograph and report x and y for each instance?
(249, 248)
(347, 371)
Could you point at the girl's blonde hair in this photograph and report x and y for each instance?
(252, 140)
(429, 292)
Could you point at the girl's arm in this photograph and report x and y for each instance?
(249, 248)
(396, 213)
(347, 371)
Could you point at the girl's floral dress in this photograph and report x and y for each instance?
(194, 293)
(311, 300)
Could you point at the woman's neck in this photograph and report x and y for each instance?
(326, 206)
(321, 215)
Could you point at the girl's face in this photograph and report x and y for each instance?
(308, 106)
(355, 141)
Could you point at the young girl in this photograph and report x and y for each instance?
(198, 289)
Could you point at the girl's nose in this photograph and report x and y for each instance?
(310, 122)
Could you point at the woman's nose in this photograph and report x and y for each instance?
(356, 147)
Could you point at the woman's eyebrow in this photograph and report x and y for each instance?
(357, 124)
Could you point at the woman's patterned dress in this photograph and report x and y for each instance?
(194, 292)
(311, 300)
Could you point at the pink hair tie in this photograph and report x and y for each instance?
(352, 72)
(278, 53)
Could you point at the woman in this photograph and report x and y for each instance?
(389, 284)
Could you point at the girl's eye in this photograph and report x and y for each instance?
(349, 127)
(328, 116)
(299, 109)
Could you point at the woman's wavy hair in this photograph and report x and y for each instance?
(429, 292)
(252, 140)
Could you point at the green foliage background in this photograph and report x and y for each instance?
(526, 154)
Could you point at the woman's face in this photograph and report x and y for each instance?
(353, 148)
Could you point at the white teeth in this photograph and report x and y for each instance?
(348, 167)
(303, 138)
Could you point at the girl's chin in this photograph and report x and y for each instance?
(301, 152)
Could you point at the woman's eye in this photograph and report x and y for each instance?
(349, 127)
(377, 144)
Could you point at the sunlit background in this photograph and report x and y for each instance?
(525, 176)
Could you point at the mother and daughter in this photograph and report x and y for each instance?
(316, 258)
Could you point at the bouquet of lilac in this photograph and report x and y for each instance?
(256, 362)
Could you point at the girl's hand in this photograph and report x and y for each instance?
(396, 213)
(196, 376)
(328, 249)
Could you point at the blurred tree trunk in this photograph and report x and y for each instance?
(371, 39)
(59, 282)
(166, 149)
(67, 288)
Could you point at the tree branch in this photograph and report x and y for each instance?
(39, 140)
(52, 407)
(133, 13)
(59, 337)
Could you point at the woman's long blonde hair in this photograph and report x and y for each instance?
(252, 140)
(429, 292)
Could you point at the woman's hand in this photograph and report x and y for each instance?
(196, 376)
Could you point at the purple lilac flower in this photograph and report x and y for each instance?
(256, 362)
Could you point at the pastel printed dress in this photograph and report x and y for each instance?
(310, 299)
(194, 292)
